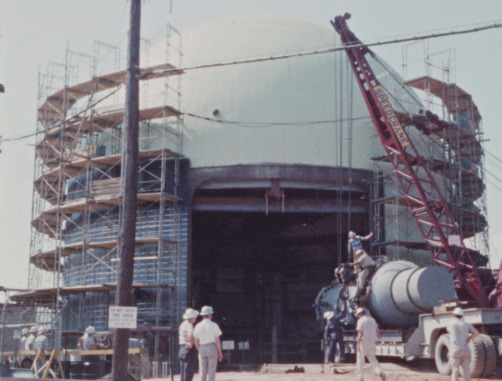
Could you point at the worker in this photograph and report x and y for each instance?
(88, 339)
(364, 265)
(30, 340)
(41, 342)
(461, 333)
(207, 341)
(24, 335)
(333, 334)
(188, 352)
(356, 243)
(367, 335)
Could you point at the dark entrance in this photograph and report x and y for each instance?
(261, 274)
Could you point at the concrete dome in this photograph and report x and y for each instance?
(268, 112)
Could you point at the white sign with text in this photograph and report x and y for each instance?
(122, 317)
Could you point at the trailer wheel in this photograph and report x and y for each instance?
(442, 354)
(490, 356)
(477, 358)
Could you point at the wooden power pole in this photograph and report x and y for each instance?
(129, 189)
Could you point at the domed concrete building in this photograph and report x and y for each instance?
(251, 173)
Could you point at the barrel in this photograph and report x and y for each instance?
(92, 367)
(75, 367)
(401, 290)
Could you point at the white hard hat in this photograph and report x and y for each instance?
(328, 315)
(42, 330)
(359, 311)
(352, 234)
(458, 311)
(206, 310)
(90, 330)
(190, 313)
(33, 329)
(25, 331)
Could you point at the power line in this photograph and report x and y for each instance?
(270, 124)
(324, 50)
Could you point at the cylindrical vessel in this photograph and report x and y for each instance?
(401, 290)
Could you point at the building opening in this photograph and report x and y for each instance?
(261, 273)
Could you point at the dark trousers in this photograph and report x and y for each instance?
(332, 348)
(188, 363)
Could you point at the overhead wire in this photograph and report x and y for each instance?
(321, 50)
(285, 56)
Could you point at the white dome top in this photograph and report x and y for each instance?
(269, 111)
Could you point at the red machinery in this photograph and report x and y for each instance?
(427, 205)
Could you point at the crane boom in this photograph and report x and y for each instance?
(426, 203)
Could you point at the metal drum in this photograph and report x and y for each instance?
(92, 367)
(75, 367)
(401, 290)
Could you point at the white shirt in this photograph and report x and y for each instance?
(206, 332)
(459, 331)
(368, 328)
(28, 344)
(41, 342)
(88, 342)
(185, 330)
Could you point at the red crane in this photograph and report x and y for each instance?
(427, 205)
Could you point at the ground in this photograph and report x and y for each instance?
(395, 371)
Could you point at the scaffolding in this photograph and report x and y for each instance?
(452, 146)
(77, 191)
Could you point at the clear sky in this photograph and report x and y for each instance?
(35, 32)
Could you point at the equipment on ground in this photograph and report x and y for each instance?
(411, 303)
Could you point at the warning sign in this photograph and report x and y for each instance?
(122, 317)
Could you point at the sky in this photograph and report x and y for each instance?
(35, 32)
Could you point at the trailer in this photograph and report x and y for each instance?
(408, 301)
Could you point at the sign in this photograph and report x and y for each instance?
(122, 317)
(228, 345)
(391, 116)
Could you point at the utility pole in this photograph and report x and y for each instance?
(129, 185)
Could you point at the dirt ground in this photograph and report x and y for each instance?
(395, 371)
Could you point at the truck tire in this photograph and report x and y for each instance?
(442, 355)
(490, 356)
(477, 358)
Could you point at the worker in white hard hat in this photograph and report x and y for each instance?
(367, 335)
(333, 334)
(356, 243)
(24, 335)
(207, 340)
(187, 352)
(461, 333)
(30, 340)
(42, 341)
(88, 339)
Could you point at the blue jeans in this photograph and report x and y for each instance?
(332, 348)
(188, 363)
